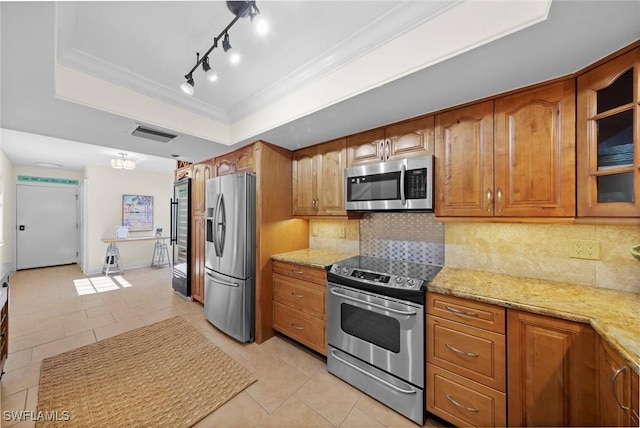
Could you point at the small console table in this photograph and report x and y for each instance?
(160, 256)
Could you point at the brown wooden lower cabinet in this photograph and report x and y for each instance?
(462, 401)
(551, 371)
(299, 303)
(617, 389)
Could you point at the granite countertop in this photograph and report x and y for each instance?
(321, 259)
(613, 314)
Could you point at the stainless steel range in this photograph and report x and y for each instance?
(375, 329)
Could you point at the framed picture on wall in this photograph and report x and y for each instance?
(137, 212)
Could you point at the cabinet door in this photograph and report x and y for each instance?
(331, 161)
(464, 161)
(410, 139)
(304, 181)
(201, 173)
(198, 224)
(535, 152)
(185, 171)
(613, 378)
(551, 366)
(608, 139)
(224, 164)
(366, 147)
(244, 160)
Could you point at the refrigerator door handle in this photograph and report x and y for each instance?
(223, 224)
(173, 238)
(217, 281)
(216, 245)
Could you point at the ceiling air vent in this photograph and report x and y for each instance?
(152, 134)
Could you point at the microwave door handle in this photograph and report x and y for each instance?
(403, 172)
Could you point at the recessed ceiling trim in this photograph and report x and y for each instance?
(68, 55)
(440, 39)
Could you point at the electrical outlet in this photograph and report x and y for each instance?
(314, 230)
(343, 232)
(584, 249)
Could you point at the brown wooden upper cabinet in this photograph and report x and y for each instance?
(510, 157)
(404, 140)
(318, 179)
(240, 160)
(607, 137)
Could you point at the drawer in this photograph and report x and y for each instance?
(304, 328)
(305, 273)
(474, 353)
(464, 402)
(476, 314)
(301, 295)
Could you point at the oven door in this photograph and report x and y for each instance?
(383, 332)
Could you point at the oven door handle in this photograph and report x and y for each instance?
(372, 376)
(375, 305)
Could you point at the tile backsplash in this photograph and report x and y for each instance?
(529, 250)
(542, 251)
(415, 237)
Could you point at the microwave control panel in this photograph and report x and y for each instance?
(416, 183)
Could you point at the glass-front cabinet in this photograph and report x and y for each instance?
(608, 128)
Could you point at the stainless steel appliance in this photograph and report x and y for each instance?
(405, 184)
(375, 329)
(181, 236)
(229, 284)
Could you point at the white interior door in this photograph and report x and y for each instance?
(46, 226)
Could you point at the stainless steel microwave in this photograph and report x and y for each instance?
(405, 184)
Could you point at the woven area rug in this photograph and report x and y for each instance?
(163, 375)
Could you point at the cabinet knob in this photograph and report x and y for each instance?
(489, 200)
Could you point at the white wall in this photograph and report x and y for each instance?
(8, 189)
(105, 187)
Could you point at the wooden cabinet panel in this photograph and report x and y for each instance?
(410, 139)
(201, 173)
(299, 295)
(185, 171)
(635, 397)
(302, 327)
(551, 369)
(318, 179)
(464, 161)
(404, 140)
(301, 272)
(472, 352)
(614, 388)
(535, 152)
(240, 160)
(475, 314)
(464, 402)
(366, 147)
(331, 162)
(608, 138)
(198, 225)
(304, 181)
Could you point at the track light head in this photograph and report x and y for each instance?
(226, 45)
(187, 87)
(212, 76)
(242, 9)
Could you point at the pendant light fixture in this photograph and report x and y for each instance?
(122, 163)
(240, 9)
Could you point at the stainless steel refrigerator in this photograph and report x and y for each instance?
(229, 283)
(181, 236)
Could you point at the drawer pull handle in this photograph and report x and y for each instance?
(297, 272)
(460, 351)
(613, 387)
(469, 409)
(297, 295)
(458, 311)
(296, 327)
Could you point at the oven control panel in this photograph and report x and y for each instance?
(376, 278)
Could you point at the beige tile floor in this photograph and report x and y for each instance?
(56, 309)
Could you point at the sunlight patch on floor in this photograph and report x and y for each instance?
(99, 284)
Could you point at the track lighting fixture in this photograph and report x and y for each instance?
(240, 9)
(187, 87)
